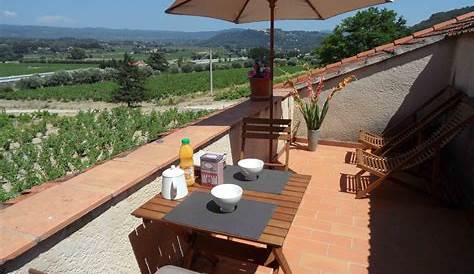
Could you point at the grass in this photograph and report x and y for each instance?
(158, 87)
(11, 69)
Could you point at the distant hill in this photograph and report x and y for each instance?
(439, 17)
(102, 34)
(248, 38)
(239, 38)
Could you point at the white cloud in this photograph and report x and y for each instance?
(7, 14)
(54, 19)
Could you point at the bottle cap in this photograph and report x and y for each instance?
(185, 141)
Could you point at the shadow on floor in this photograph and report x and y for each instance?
(349, 184)
(350, 158)
(412, 233)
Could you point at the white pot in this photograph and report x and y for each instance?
(174, 185)
(313, 138)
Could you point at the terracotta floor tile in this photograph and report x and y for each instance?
(305, 245)
(330, 238)
(348, 254)
(14, 243)
(394, 231)
(358, 269)
(323, 263)
(32, 216)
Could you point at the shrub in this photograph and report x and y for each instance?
(5, 89)
(293, 61)
(59, 78)
(249, 63)
(173, 68)
(198, 67)
(146, 70)
(32, 82)
(280, 61)
(186, 68)
(110, 73)
(236, 65)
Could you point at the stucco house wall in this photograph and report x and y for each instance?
(459, 177)
(385, 92)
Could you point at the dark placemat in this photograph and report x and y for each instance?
(269, 181)
(199, 211)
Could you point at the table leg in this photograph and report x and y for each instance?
(280, 258)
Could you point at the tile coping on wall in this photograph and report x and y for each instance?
(26, 223)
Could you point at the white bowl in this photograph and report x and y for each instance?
(227, 196)
(251, 168)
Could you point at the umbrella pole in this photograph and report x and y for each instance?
(271, 57)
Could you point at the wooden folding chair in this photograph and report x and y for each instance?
(434, 108)
(384, 167)
(160, 249)
(266, 129)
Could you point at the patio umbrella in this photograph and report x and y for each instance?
(246, 11)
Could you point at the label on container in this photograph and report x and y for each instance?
(189, 175)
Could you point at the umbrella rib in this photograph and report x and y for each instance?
(314, 9)
(236, 20)
(177, 6)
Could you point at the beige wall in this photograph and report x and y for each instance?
(463, 64)
(385, 92)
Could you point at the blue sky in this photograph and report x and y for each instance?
(149, 14)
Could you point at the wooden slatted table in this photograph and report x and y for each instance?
(274, 234)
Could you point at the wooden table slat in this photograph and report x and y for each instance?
(277, 227)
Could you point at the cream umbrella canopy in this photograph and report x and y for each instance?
(246, 11)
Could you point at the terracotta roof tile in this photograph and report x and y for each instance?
(444, 24)
(366, 53)
(349, 59)
(384, 47)
(403, 40)
(334, 65)
(464, 16)
(423, 32)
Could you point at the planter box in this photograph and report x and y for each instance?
(260, 89)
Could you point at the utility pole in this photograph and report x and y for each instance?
(210, 70)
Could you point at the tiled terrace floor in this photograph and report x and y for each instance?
(397, 230)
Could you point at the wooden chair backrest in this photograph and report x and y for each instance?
(462, 115)
(266, 129)
(415, 128)
(425, 111)
(155, 245)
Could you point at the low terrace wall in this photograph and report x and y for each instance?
(82, 225)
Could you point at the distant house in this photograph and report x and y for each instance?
(139, 63)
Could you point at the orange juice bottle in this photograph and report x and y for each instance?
(186, 162)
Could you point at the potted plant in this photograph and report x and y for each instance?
(259, 78)
(313, 114)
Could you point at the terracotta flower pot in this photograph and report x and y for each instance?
(260, 88)
(313, 138)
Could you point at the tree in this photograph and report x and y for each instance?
(363, 31)
(158, 61)
(259, 54)
(131, 80)
(78, 54)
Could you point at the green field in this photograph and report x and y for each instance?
(31, 68)
(158, 87)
